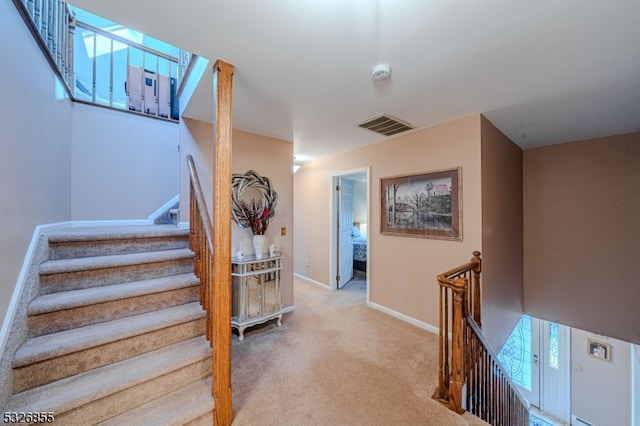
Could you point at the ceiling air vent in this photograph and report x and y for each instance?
(386, 125)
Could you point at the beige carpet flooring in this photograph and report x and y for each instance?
(335, 361)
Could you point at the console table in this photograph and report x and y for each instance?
(256, 296)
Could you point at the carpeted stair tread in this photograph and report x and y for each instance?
(72, 392)
(93, 295)
(53, 345)
(111, 261)
(174, 409)
(107, 233)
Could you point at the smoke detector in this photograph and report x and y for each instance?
(381, 72)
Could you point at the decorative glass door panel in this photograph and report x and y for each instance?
(554, 395)
(519, 356)
(536, 357)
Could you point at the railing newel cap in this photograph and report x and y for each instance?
(476, 259)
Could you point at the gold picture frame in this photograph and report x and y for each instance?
(598, 349)
(425, 205)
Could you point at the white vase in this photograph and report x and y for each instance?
(258, 245)
(240, 253)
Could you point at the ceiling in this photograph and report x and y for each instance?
(543, 72)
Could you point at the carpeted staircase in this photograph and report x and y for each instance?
(116, 333)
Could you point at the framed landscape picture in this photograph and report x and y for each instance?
(426, 205)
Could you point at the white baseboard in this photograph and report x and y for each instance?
(153, 216)
(22, 277)
(309, 280)
(184, 225)
(38, 232)
(420, 324)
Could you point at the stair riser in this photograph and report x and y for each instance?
(74, 249)
(68, 319)
(52, 283)
(192, 405)
(121, 402)
(206, 420)
(47, 371)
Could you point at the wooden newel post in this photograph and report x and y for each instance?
(221, 291)
(456, 383)
(477, 313)
(442, 392)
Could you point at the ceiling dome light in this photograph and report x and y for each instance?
(381, 72)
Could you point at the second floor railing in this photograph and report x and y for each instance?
(52, 24)
(470, 376)
(113, 71)
(103, 66)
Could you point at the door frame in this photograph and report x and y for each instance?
(539, 357)
(565, 335)
(333, 223)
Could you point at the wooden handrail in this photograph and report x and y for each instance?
(466, 362)
(493, 398)
(470, 271)
(201, 206)
(201, 242)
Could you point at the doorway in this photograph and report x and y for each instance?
(349, 251)
(537, 358)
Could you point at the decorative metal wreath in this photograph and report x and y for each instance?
(262, 184)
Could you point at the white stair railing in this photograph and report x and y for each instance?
(52, 24)
(148, 85)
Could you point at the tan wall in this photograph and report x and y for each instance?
(123, 166)
(502, 241)
(35, 117)
(581, 230)
(402, 269)
(272, 158)
(269, 157)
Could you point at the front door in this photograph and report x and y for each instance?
(536, 358)
(520, 357)
(555, 342)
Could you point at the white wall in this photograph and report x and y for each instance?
(35, 161)
(123, 166)
(600, 390)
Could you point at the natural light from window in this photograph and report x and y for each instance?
(103, 44)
